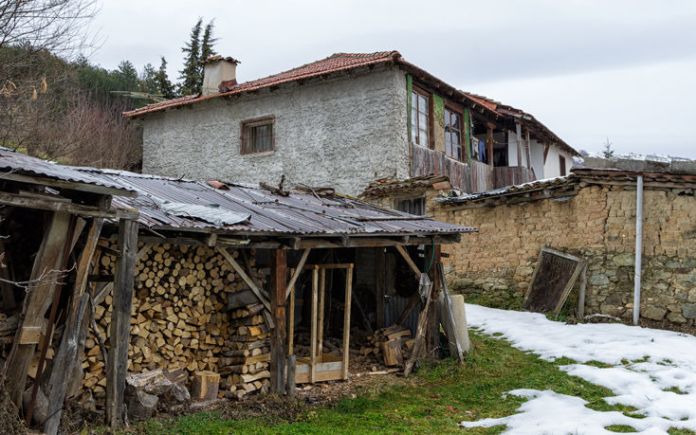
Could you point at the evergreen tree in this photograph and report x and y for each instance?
(164, 86)
(207, 44)
(191, 74)
(148, 80)
(126, 77)
(608, 151)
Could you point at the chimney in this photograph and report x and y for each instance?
(216, 70)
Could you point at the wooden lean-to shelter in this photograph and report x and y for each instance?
(219, 278)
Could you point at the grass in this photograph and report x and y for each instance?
(435, 401)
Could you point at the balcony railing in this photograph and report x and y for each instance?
(473, 176)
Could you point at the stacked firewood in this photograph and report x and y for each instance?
(389, 345)
(245, 362)
(179, 317)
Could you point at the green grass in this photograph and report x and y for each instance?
(435, 401)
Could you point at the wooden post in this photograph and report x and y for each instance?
(119, 333)
(279, 269)
(380, 287)
(320, 321)
(66, 358)
(432, 254)
(291, 322)
(43, 281)
(581, 296)
(292, 364)
(346, 321)
(490, 143)
(313, 334)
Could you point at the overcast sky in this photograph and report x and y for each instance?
(591, 70)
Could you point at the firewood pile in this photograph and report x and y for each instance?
(181, 320)
(389, 345)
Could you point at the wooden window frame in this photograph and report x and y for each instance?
(244, 128)
(452, 108)
(419, 90)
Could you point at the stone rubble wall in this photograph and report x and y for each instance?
(598, 224)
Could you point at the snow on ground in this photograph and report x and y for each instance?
(652, 370)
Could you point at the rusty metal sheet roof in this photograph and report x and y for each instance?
(17, 163)
(298, 213)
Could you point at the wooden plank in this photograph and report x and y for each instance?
(291, 322)
(119, 333)
(405, 255)
(30, 334)
(43, 282)
(62, 184)
(298, 271)
(425, 287)
(279, 268)
(346, 321)
(7, 295)
(63, 207)
(553, 279)
(582, 292)
(380, 287)
(313, 333)
(247, 279)
(449, 321)
(320, 321)
(66, 359)
(292, 387)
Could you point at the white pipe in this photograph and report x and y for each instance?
(639, 250)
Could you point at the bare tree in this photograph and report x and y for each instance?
(54, 25)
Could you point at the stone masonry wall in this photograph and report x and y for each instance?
(342, 132)
(597, 224)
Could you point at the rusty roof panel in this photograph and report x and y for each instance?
(18, 163)
(298, 213)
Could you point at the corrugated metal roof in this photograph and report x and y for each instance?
(296, 214)
(17, 163)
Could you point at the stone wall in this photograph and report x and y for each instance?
(598, 224)
(342, 132)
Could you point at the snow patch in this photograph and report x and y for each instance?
(653, 371)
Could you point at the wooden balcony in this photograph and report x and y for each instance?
(469, 177)
(510, 175)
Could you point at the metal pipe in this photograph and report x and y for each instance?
(639, 250)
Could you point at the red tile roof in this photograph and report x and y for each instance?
(332, 64)
(347, 61)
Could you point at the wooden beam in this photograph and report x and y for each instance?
(313, 320)
(247, 279)
(61, 206)
(43, 282)
(405, 255)
(380, 286)
(119, 333)
(279, 272)
(419, 347)
(320, 320)
(69, 185)
(66, 359)
(297, 272)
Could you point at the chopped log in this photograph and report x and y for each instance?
(392, 353)
(205, 385)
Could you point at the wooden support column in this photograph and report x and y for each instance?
(279, 279)
(380, 286)
(432, 339)
(119, 333)
(490, 143)
(66, 359)
(43, 282)
(518, 140)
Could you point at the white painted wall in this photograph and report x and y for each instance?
(552, 167)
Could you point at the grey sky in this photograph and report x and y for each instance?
(589, 69)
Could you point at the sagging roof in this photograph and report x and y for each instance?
(21, 167)
(341, 62)
(657, 171)
(187, 205)
(386, 186)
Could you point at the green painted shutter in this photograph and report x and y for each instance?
(409, 95)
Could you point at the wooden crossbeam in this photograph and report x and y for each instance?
(247, 279)
(297, 272)
(404, 253)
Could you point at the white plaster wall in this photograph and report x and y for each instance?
(343, 132)
(552, 167)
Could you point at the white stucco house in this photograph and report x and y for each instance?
(344, 121)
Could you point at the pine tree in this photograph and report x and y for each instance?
(191, 74)
(148, 80)
(126, 76)
(164, 86)
(608, 151)
(207, 43)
